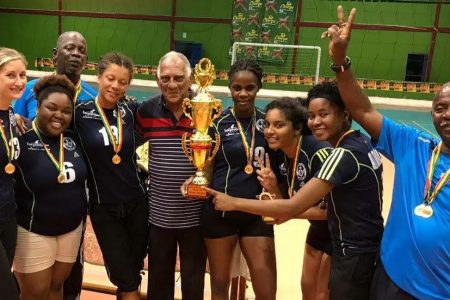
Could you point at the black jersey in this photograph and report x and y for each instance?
(109, 183)
(228, 170)
(312, 154)
(354, 209)
(45, 206)
(7, 201)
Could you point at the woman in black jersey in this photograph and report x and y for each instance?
(233, 172)
(12, 84)
(301, 156)
(352, 176)
(50, 193)
(118, 206)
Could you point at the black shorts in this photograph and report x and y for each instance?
(383, 288)
(122, 231)
(217, 224)
(319, 236)
(351, 275)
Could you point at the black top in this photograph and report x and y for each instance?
(228, 170)
(354, 209)
(7, 201)
(108, 182)
(312, 154)
(45, 206)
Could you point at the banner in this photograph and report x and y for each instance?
(263, 21)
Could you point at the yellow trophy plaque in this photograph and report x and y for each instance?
(203, 109)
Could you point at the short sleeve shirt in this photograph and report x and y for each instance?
(415, 251)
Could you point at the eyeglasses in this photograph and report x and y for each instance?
(179, 79)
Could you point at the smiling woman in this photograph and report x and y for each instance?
(118, 207)
(12, 83)
(51, 168)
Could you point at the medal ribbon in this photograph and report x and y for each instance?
(248, 152)
(9, 148)
(294, 167)
(58, 164)
(343, 136)
(77, 91)
(116, 143)
(429, 195)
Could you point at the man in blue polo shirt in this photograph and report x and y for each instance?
(69, 57)
(415, 249)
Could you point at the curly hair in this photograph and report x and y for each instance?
(54, 84)
(295, 111)
(8, 54)
(327, 90)
(117, 59)
(246, 65)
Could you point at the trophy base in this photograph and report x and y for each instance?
(196, 191)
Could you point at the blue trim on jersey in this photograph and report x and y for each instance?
(415, 251)
(26, 105)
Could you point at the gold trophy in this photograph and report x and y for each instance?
(203, 109)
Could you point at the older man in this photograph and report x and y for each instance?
(415, 249)
(174, 220)
(70, 58)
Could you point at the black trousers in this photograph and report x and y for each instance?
(383, 288)
(8, 239)
(162, 254)
(351, 275)
(122, 231)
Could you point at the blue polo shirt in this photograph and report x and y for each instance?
(415, 251)
(27, 104)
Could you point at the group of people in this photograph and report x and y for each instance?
(62, 134)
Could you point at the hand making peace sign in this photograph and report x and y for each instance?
(340, 36)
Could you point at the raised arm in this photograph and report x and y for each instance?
(357, 103)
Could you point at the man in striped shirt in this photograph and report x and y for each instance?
(174, 220)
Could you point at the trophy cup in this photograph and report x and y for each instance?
(203, 109)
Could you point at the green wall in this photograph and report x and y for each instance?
(375, 54)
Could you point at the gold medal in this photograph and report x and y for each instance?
(116, 159)
(423, 210)
(248, 169)
(10, 169)
(61, 178)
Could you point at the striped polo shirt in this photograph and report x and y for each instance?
(168, 165)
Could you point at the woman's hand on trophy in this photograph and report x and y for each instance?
(266, 176)
(339, 35)
(222, 201)
(183, 187)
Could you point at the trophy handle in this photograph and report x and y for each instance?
(217, 107)
(186, 105)
(183, 144)
(215, 149)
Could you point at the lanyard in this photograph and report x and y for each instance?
(58, 164)
(248, 150)
(294, 166)
(9, 145)
(116, 143)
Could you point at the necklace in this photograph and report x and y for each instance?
(424, 209)
(59, 164)
(248, 150)
(115, 142)
(293, 167)
(9, 146)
